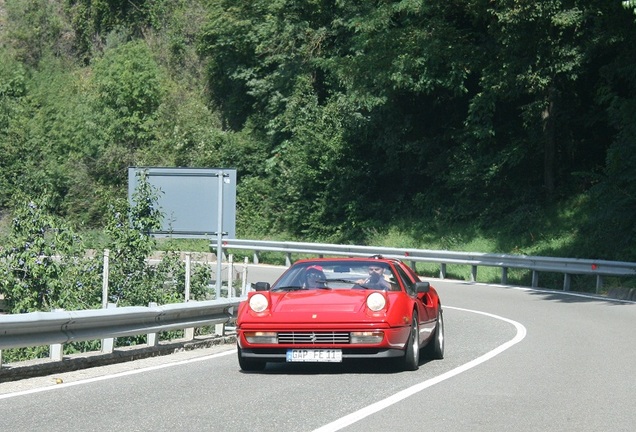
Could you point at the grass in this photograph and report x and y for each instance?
(530, 231)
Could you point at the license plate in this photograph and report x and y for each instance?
(314, 355)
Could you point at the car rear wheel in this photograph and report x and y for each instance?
(411, 359)
(249, 365)
(435, 347)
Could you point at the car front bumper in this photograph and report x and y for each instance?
(280, 354)
(392, 345)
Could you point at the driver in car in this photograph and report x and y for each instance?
(375, 280)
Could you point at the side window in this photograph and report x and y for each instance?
(406, 281)
(412, 273)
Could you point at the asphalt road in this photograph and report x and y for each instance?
(516, 360)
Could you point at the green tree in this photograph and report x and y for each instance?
(557, 61)
(12, 112)
(36, 28)
(94, 20)
(611, 229)
(132, 281)
(129, 230)
(128, 83)
(341, 91)
(629, 4)
(51, 140)
(43, 266)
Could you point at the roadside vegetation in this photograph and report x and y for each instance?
(45, 265)
(501, 127)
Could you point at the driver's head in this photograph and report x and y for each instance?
(314, 275)
(375, 271)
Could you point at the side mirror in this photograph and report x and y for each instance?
(422, 287)
(261, 286)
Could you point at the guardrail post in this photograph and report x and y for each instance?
(188, 257)
(108, 344)
(189, 332)
(414, 266)
(599, 283)
(504, 275)
(230, 276)
(255, 257)
(219, 329)
(152, 338)
(288, 259)
(442, 271)
(105, 279)
(244, 278)
(473, 273)
(567, 279)
(535, 278)
(55, 350)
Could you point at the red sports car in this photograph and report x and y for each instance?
(333, 309)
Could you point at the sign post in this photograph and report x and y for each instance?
(219, 236)
(192, 205)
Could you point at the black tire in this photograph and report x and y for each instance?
(249, 365)
(411, 359)
(435, 347)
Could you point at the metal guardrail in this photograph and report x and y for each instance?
(537, 264)
(60, 327)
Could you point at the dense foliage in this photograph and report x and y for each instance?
(44, 265)
(341, 117)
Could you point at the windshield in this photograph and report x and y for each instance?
(338, 275)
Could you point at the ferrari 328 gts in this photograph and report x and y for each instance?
(334, 309)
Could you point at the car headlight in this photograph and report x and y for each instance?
(258, 303)
(376, 302)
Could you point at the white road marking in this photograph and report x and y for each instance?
(401, 395)
(544, 291)
(342, 422)
(116, 375)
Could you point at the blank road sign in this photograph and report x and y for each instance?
(189, 200)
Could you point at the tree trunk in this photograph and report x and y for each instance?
(549, 144)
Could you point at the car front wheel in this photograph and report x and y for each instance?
(435, 347)
(411, 359)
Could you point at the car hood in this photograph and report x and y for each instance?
(311, 307)
(349, 301)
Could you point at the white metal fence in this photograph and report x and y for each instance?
(536, 264)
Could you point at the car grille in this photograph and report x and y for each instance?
(304, 338)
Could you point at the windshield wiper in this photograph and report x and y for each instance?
(349, 281)
(288, 288)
